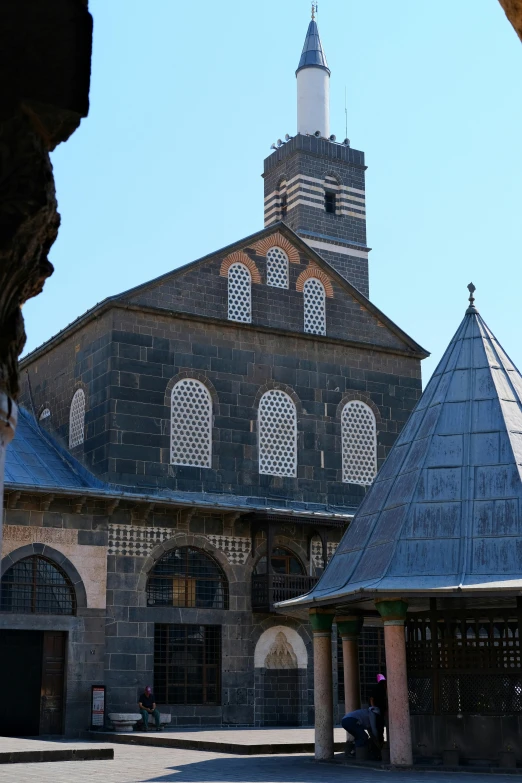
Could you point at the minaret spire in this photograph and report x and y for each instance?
(313, 84)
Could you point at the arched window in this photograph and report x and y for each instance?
(77, 419)
(45, 414)
(35, 585)
(277, 268)
(359, 443)
(239, 293)
(282, 561)
(277, 434)
(314, 306)
(191, 424)
(187, 577)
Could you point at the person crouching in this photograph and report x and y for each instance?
(360, 724)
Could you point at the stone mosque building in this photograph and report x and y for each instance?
(191, 451)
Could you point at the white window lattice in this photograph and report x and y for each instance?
(359, 443)
(277, 434)
(314, 306)
(191, 424)
(239, 294)
(77, 419)
(44, 414)
(277, 268)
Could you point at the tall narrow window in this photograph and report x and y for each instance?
(329, 202)
(277, 434)
(239, 294)
(191, 424)
(277, 268)
(284, 205)
(359, 443)
(77, 419)
(314, 306)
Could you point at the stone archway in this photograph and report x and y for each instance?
(280, 673)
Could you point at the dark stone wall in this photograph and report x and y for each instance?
(127, 378)
(201, 290)
(279, 696)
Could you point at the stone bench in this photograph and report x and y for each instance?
(126, 721)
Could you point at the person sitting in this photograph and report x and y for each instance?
(147, 705)
(359, 722)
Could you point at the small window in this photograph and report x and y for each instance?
(239, 294)
(77, 419)
(277, 434)
(187, 577)
(191, 424)
(314, 306)
(35, 585)
(284, 205)
(359, 443)
(329, 202)
(45, 414)
(277, 268)
(187, 664)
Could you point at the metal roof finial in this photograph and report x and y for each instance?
(314, 10)
(471, 289)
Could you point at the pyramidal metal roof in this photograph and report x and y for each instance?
(444, 513)
(313, 55)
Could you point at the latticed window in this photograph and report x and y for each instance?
(44, 414)
(277, 268)
(191, 424)
(187, 577)
(35, 585)
(187, 664)
(77, 419)
(314, 306)
(239, 294)
(277, 434)
(359, 443)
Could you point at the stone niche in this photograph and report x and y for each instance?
(281, 662)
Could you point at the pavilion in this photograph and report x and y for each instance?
(435, 551)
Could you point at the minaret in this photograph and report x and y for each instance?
(313, 85)
(315, 184)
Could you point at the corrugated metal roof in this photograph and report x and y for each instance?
(444, 511)
(313, 55)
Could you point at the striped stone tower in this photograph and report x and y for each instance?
(316, 184)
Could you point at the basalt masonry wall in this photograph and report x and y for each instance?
(76, 543)
(237, 365)
(129, 661)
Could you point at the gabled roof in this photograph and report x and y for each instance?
(313, 55)
(444, 513)
(410, 346)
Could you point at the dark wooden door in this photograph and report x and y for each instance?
(52, 693)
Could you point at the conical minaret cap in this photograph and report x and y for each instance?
(313, 55)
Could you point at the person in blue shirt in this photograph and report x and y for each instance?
(360, 724)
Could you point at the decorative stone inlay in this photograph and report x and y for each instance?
(236, 549)
(135, 540)
(28, 534)
(317, 552)
(138, 541)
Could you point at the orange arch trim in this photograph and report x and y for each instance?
(314, 271)
(277, 240)
(240, 258)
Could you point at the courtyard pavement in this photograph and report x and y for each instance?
(136, 764)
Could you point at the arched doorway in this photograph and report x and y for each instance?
(34, 660)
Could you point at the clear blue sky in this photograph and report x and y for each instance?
(187, 97)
